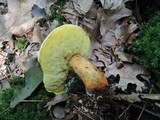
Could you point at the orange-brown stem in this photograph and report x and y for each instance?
(90, 74)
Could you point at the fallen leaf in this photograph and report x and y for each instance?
(111, 4)
(3, 67)
(128, 74)
(19, 12)
(124, 30)
(109, 39)
(133, 97)
(109, 19)
(124, 56)
(26, 27)
(33, 77)
(82, 6)
(4, 84)
(3, 1)
(38, 12)
(102, 57)
(150, 96)
(37, 36)
(53, 25)
(157, 104)
(136, 97)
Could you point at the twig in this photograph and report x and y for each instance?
(31, 101)
(146, 110)
(77, 109)
(4, 111)
(6, 76)
(124, 111)
(144, 106)
(10, 73)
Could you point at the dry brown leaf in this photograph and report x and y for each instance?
(52, 26)
(124, 30)
(37, 35)
(124, 56)
(88, 23)
(157, 104)
(134, 97)
(71, 18)
(68, 8)
(131, 38)
(4, 84)
(19, 12)
(111, 4)
(128, 75)
(109, 40)
(150, 96)
(3, 67)
(82, 6)
(26, 27)
(46, 4)
(97, 63)
(102, 58)
(109, 17)
(3, 1)
(92, 13)
(70, 13)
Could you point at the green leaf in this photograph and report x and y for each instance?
(33, 77)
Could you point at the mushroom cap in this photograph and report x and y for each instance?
(56, 51)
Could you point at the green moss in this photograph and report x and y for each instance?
(20, 44)
(26, 110)
(17, 81)
(55, 13)
(147, 47)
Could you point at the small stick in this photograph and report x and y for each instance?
(124, 111)
(144, 106)
(4, 110)
(77, 109)
(5, 76)
(10, 73)
(31, 101)
(148, 111)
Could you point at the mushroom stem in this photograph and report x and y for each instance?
(90, 74)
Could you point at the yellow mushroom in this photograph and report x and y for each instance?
(67, 48)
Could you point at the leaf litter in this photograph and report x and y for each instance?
(111, 27)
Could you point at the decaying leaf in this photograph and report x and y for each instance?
(128, 74)
(38, 12)
(115, 27)
(130, 98)
(26, 27)
(150, 96)
(124, 56)
(111, 4)
(19, 12)
(4, 84)
(33, 78)
(82, 6)
(157, 104)
(136, 97)
(3, 67)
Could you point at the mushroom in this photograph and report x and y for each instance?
(67, 48)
